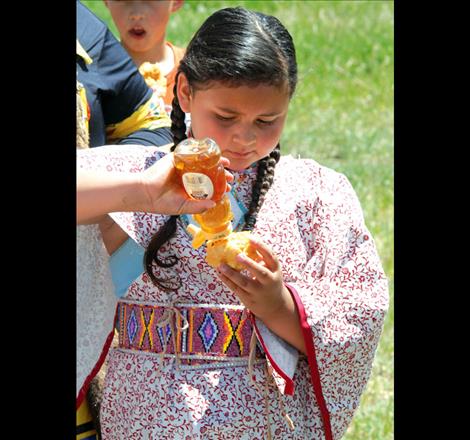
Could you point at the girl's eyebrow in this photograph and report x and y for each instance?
(233, 112)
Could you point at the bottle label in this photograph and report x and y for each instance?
(198, 186)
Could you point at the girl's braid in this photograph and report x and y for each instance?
(178, 129)
(264, 180)
(178, 125)
(151, 254)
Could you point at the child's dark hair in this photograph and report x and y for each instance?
(235, 47)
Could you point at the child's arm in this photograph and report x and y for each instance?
(99, 193)
(156, 189)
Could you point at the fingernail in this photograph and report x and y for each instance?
(223, 268)
(210, 206)
(241, 257)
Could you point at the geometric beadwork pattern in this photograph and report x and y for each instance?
(164, 335)
(234, 333)
(132, 326)
(209, 331)
(147, 321)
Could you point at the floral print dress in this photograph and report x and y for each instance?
(312, 220)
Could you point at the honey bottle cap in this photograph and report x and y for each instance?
(191, 146)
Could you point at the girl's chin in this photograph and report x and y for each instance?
(240, 164)
(239, 167)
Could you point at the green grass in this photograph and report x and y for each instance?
(342, 116)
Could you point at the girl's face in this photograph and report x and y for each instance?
(246, 122)
(141, 24)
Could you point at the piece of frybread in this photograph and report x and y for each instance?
(225, 250)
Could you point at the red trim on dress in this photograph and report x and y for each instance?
(83, 390)
(289, 388)
(312, 361)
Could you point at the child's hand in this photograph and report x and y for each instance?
(165, 193)
(263, 293)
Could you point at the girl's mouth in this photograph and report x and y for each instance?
(237, 155)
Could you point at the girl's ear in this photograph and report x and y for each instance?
(183, 92)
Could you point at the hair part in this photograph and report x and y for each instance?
(236, 46)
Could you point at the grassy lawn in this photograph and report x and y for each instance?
(341, 116)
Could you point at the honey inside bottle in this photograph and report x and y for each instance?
(216, 219)
(197, 162)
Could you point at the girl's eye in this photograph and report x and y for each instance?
(221, 118)
(262, 122)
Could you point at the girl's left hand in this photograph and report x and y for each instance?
(262, 290)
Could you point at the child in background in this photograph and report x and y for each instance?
(114, 106)
(283, 349)
(142, 27)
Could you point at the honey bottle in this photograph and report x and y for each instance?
(197, 162)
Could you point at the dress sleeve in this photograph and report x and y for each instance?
(96, 306)
(140, 226)
(96, 294)
(342, 298)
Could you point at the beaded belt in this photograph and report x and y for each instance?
(195, 334)
(198, 330)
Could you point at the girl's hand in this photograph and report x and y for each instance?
(262, 289)
(165, 193)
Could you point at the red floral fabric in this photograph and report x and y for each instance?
(312, 220)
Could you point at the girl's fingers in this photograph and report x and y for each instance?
(229, 283)
(226, 163)
(229, 176)
(237, 282)
(258, 270)
(271, 261)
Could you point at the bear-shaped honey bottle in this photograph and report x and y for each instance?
(197, 162)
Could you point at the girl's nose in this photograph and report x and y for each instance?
(244, 136)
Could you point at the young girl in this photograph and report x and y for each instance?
(284, 348)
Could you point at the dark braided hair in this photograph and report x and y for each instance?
(264, 180)
(235, 47)
(178, 129)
